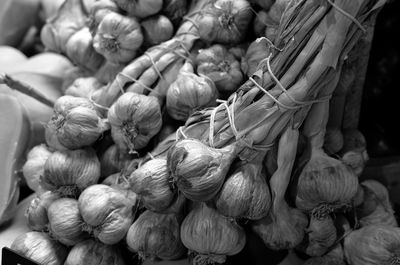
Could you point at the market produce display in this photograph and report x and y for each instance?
(179, 126)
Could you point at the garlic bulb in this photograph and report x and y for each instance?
(221, 67)
(98, 11)
(34, 167)
(113, 161)
(107, 213)
(198, 170)
(152, 183)
(91, 252)
(210, 236)
(225, 21)
(36, 213)
(118, 38)
(83, 87)
(333, 140)
(40, 248)
(333, 257)
(140, 8)
(262, 21)
(134, 120)
(373, 245)
(80, 51)
(65, 221)
(120, 182)
(245, 193)
(189, 93)
(76, 123)
(70, 17)
(354, 151)
(156, 29)
(254, 54)
(277, 9)
(174, 10)
(155, 235)
(320, 236)
(70, 172)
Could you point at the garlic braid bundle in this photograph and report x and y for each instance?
(70, 172)
(152, 183)
(155, 235)
(199, 170)
(107, 213)
(65, 222)
(76, 123)
(225, 21)
(92, 252)
(245, 193)
(134, 119)
(373, 245)
(39, 247)
(376, 208)
(284, 226)
(36, 213)
(209, 236)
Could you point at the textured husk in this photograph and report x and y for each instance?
(134, 120)
(107, 213)
(210, 235)
(36, 213)
(198, 170)
(91, 252)
(155, 235)
(373, 245)
(65, 221)
(70, 172)
(39, 247)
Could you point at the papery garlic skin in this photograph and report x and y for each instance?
(210, 235)
(134, 120)
(83, 87)
(156, 29)
(198, 170)
(118, 37)
(107, 213)
(98, 11)
(155, 235)
(254, 54)
(113, 161)
(373, 245)
(70, 172)
(221, 67)
(41, 248)
(92, 252)
(36, 213)
(65, 221)
(140, 8)
(152, 183)
(34, 167)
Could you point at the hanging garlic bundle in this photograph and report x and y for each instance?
(107, 213)
(65, 221)
(156, 29)
(156, 236)
(70, 18)
(151, 183)
(189, 93)
(76, 123)
(199, 170)
(225, 21)
(91, 252)
(134, 120)
(70, 172)
(36, 213)
(40, 248)
(284, 227)
(245, 193)
(376, 208)
(209, 236)
(80, 51)
(118, 37)
(373, 245)
(221, 67)
(83, 87)
(140, 8)
(34, 167)
(325, 183)
(320, 236)
(113, 161)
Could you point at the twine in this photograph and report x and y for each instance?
(137, 81)
(353, 19)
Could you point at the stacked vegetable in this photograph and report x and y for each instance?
(179, 129)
